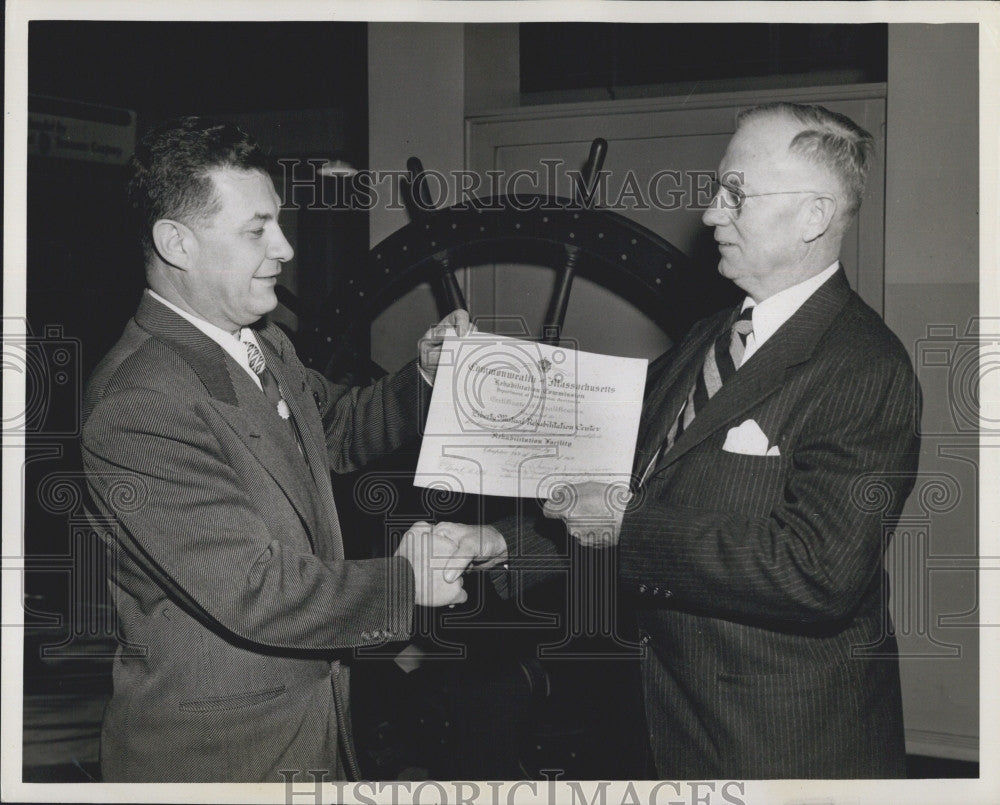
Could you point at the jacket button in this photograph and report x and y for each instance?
(667, 593)
(642, 589)
(644, 638)
(656, 591)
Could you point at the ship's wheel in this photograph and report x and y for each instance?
(503, 713)
(568, 235)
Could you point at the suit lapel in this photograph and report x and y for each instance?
(257, 424)
(201, 353)
(666, 392)
(238, 401)
(297, 397)
(765, 372)
(301, 404)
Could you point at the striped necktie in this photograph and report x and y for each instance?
(271, 389)
(721, 361)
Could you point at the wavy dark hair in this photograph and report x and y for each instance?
(169, 172)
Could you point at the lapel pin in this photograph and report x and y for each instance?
(283, 411)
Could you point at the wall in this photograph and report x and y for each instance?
(416, 105)
(931, 299)
(423, 80)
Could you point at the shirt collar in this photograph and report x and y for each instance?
(215, 333)
(233, 345)
(774, 311)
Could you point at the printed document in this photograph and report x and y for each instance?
(514, 418)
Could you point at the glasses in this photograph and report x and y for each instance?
(732, 197)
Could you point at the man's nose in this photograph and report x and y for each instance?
(281, 250)
(715, 214)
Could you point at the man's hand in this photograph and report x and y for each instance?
(429, 346)
(593, 512)
(480, 544)
(430, 555)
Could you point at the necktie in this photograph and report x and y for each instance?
(721, 361)
(271, 389)
(267, 380)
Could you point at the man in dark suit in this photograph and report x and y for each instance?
(208, 448)
(776, 447)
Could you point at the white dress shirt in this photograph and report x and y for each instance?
(774, 311)
(767, 317)
(234, 345)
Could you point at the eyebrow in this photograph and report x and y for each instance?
(261, 217)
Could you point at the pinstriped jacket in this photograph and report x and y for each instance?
(758, 579)
(234, 599)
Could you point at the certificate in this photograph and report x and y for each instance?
(515, 418)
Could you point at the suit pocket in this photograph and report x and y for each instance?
(215, 703)
(779, 686)
(734, 481)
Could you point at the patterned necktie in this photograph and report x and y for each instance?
(271, 389)
(267, 381)
(721, 361)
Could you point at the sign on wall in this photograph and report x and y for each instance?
(64, 129)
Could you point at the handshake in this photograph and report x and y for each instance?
(441, 553)
(592, 513)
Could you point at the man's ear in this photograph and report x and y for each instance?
(819, 214)
(175, 243)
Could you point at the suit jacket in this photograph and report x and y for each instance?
(235, 602)
(758, 579)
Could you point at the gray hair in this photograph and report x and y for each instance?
(829, 139)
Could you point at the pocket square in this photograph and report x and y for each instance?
(749, 440)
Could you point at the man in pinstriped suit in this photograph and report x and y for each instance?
(235, 602)
(751, 544)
